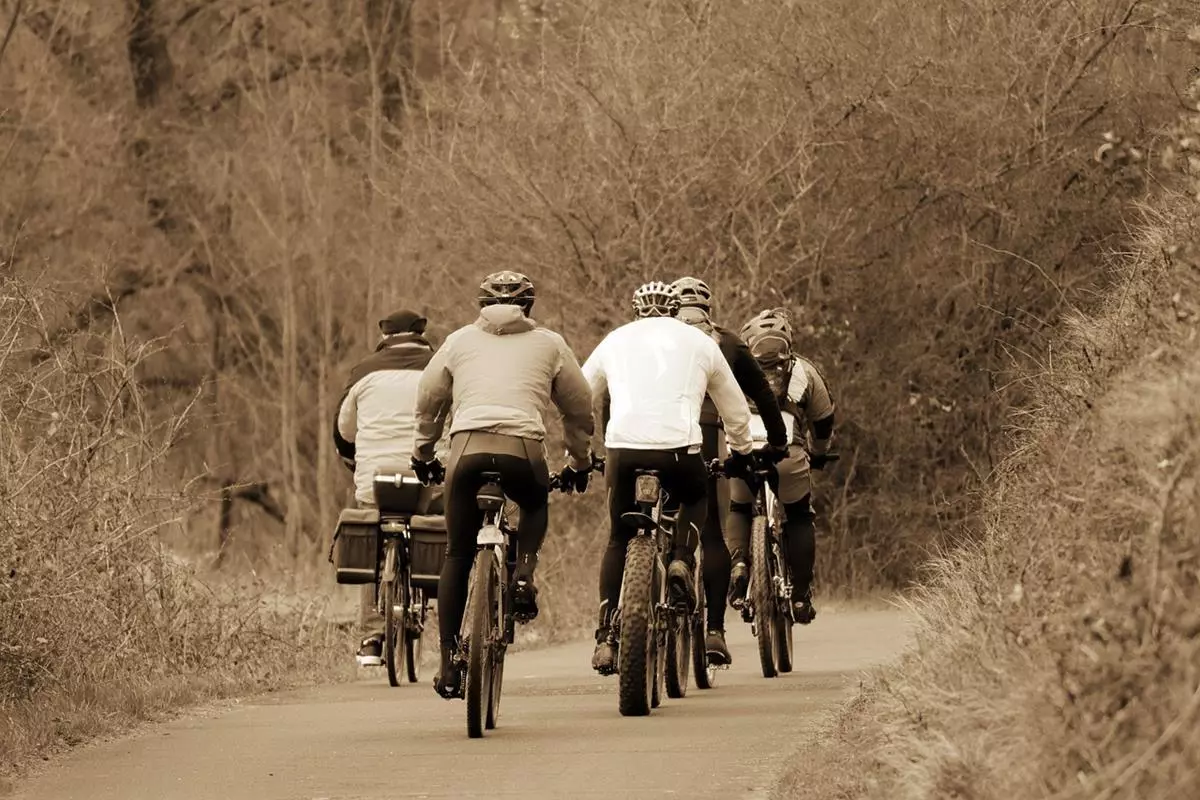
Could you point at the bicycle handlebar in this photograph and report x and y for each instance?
(556, 484)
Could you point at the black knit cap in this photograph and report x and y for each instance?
(403, 321)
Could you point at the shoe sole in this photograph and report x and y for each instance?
(717, 659)
(369, 661)
(679, 594)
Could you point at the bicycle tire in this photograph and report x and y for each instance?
(636, 652)
(394, 652)
(705, 673)
(479, 660)
(413, 639)
(493, 712)
(783, 642)
(764, 599)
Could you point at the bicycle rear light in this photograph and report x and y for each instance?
(646, 489)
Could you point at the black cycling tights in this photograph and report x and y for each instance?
(525, 479)
(684, 478)
(799, 537)
(716, 553)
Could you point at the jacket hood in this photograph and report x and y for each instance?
(392, 340)
(503, 319)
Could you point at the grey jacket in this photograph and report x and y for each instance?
(498, 374)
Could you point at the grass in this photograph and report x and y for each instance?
(1058, 656)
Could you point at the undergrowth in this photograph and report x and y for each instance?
(1059, 656)
(100, 624)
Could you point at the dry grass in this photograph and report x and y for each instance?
(100, 625)
(1059, 657)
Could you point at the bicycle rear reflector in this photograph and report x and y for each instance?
(646, 488)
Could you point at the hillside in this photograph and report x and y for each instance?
(1057, 655)
(206, 205)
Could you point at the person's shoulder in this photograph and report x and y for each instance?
(550, 334)
(808, 367)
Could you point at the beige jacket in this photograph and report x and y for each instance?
(498, 374)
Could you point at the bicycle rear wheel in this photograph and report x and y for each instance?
(783, 641)
(706, 674)
(480, 607)
(500, 600)
(636, 652)
(394, 597)
(763, 592)
(679, 654)
(412, 635)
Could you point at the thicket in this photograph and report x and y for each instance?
(256, 185)
(98, 620)
(1058, 656)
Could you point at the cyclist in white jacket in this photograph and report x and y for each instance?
(656, 371)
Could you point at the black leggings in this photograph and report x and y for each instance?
(799, 539)
(712, 539)
(524, 478)
(683, 477)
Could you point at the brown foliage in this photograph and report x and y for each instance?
(1058, 656)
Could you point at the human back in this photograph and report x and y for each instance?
(503, 365)
(657, 371)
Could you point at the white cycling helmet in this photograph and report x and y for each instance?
(769, 335)
(656, 299)
(694, 293)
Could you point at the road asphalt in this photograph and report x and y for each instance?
(559, 734)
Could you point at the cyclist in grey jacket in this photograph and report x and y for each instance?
(495, 377)
(376, 426)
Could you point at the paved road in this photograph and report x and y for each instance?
(559, 735)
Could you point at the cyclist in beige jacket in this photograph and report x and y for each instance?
(495, 377)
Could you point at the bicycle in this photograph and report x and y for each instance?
(653, 638)
(767, 604)
(400, 552)
(408, 572)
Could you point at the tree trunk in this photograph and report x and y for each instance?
(388, 28)
(149, 60)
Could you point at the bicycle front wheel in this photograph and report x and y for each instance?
(480, 606)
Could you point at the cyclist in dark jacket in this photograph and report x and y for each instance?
(696, 309)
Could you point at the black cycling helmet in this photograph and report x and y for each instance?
(507, 288)
(656, 299)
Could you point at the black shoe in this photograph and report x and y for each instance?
(739, 581)
(604, 658)
(524, 600)
(803, 610)
(370, 651)
(448, 684)
(680, 586)
(715, 650)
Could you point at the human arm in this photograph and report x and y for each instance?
(345, 426)
(817, 402)
(434, 394)
(572, 394)
(731, 403)
(754, 384)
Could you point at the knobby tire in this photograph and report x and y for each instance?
(636, 651)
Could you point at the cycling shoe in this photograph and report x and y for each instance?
(680, 585)
(524, 600)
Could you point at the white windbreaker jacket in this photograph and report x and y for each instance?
(656, 372)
